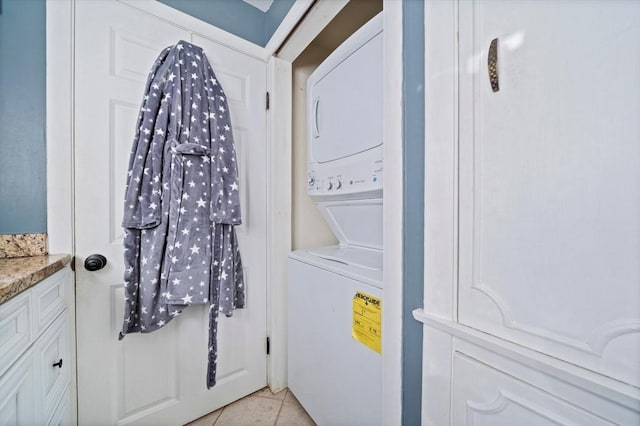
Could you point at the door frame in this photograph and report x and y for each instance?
(318, 16)
(59, 149)
(393, 213)
(60, 32)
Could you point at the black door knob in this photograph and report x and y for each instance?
(95, 262)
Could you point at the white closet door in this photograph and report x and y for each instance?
(549, 186)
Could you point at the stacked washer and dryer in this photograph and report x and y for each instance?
(335, 293)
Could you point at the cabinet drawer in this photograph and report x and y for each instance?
(53, 363)
(15, 329)
(49, 300)
(488, 389)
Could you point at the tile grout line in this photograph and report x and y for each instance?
(258, 396)
(219, 415)
(280, 410)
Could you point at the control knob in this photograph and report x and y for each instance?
(329, 186)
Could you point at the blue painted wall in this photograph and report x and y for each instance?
(23, 90)
(22, 117)
(236, 16)
(274, 17)
(413, 209)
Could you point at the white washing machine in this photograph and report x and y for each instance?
(336, 378)
(335, 293)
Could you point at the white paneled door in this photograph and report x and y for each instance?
(157, 378)
(550, 178)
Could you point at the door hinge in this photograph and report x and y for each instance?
(268, 346)
(268, 101)
(73, 263)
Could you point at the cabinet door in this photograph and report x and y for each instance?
(18, 398)
(549, 189)
(53, 364)
(16, 331)
(62, 415)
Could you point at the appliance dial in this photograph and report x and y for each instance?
(339, 184)
(329, 186)
(312, 181)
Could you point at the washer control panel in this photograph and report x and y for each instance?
(346, 176)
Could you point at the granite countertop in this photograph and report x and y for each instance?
(19, 273)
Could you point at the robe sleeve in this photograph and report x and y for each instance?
(225, 198)
(144, 178)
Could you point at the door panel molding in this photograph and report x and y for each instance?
(493, 393)
(198, 27)
(503, 401)
(594, 343)
(127, 59)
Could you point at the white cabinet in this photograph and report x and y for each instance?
(18, 393)
(532, 200)
(490, 389)
(34, 341)
(549, 236)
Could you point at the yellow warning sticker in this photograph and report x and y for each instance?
(367, 320)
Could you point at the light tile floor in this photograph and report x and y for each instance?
(258, 409)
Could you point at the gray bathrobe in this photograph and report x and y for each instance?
(181, 200)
